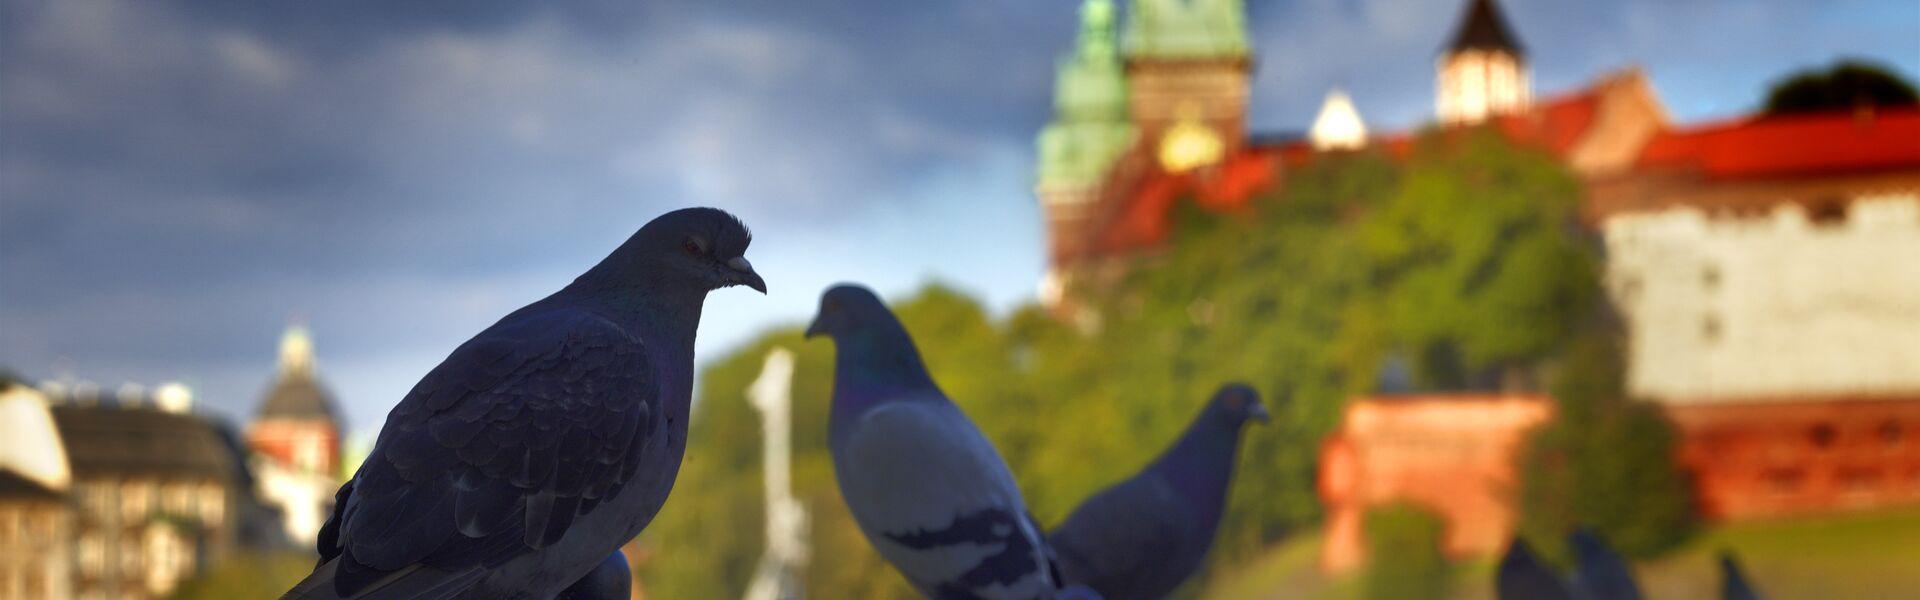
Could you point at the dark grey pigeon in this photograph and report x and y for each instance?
(929, 491)
(1144, 536)
(545, 442)
(1733, 580)
(609, 580)
(1601, 573)
(1523, 577)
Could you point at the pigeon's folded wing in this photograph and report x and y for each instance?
(942, 501)
(496, 451)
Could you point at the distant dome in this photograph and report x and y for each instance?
(297, 396)
(296, 393)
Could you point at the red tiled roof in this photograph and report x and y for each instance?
(1818, 144)
(1145, 218)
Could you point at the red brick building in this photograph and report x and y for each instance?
(1447, 453)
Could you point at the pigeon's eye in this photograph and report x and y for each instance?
(693, 246)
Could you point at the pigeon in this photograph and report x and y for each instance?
(1523, 577)
(1143, 537)
(925, 486)
(1733, 580)
(609, 580)
(1601, 573)
(545, 442)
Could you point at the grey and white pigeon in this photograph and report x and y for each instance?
(609, 580)
(1733, 580)
(1601, 573)
(545, 442)
(1522, 576)
(1144, 536)
(929, 491)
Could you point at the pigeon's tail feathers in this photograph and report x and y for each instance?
(417, 581)
(1078, 592)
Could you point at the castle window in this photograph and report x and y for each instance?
(1822, 435)
(1710, 328)
(1827, 213)
(1783, 481)
(1890, 433)
(1710, 277)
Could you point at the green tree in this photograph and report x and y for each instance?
(1604, 462)
(1846, 85)
(1404, 563)
(1481, 273)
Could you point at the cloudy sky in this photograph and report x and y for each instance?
(178, 180)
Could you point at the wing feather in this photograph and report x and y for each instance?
(497, 450)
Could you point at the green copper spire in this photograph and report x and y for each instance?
(1090, 125)
(1187, 29)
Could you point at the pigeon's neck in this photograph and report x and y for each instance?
(873, 368)
(665, 318)
(1200, 465)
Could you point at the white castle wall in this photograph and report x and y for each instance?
(1771, 306)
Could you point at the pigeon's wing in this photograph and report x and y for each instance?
(1122, 535)
(939, 503)
(496, 451)
(1523, 577)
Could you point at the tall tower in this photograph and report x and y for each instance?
(1089, 130)
(296, 423)
(1483, 72)
(1187, 69)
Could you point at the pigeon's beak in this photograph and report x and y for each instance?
(817, 327)
(1258, 412)
(743, 274)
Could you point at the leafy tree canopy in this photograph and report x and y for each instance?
(1846, 85)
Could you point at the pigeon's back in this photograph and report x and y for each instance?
(1136, 539)
(937, 501)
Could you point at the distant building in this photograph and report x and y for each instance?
(36, 525)
(1767, 270)
(1338, 126)
(1483, 72)
(1453, 455)
(1764, 266)
(295, 435)
(36, 516)
(159, 495)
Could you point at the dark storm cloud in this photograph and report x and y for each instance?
(177, 179)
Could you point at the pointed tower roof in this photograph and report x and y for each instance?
(1339, 126)
(1090, 125)
(296, 393)
(1485, 28)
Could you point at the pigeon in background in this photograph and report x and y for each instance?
(929, 491)
(1144, 536)
(1601, 573)
(609, 580)
(545, 442)
(1733, 580)
(1523, 577)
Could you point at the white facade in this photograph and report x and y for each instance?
(1476, 84)
(1753, 308)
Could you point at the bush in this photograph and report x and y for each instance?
(1405, 561)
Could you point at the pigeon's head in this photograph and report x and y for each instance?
(849, 309)
(1239, 404)
(704, 248)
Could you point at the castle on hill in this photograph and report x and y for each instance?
(1762, 264)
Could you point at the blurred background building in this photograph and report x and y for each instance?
(128, 494)
(1763, 265)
